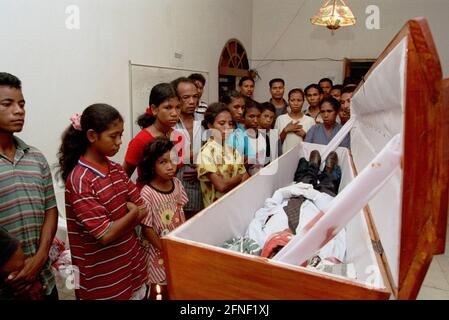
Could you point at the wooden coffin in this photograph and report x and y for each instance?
(391, 242)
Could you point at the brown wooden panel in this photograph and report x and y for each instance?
(425, 170)
(233, 72)
(422, 188)
(198, 273)
(443, 149)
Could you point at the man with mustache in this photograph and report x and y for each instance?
(190, 125)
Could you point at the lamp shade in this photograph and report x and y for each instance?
(333, 15)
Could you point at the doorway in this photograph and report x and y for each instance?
(233, 65)
(356, 69)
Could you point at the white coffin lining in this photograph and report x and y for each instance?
(230, 216)
(378, 106)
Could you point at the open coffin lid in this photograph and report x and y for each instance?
(400, 94)
(404, 93)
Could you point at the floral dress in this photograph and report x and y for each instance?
(214, 158)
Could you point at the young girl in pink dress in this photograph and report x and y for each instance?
(165, 197)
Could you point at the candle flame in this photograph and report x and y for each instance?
(158, 289)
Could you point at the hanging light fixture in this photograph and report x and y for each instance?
(334, 14)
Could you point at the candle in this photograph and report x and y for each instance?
(158, 289)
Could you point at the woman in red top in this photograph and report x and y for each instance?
(157, 121)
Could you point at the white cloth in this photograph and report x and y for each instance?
(260, 229)
(291, 139)
(336, 248)
(140, 293)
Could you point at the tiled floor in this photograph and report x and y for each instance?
(436, 283)
(66, 295)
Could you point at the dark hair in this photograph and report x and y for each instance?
(198, 77)
(268, 106)
(349, 81)
(296, 90)
(326, 80)
(153, 151)
(175, 83)
(314, 86)
(251, 104)
(245, 78)
(276, 80)
(212, 112)
(8, 80)
(74, 144)
(332, 101)
(159, 93)
(228, 96)
(8, 246)
(337, 87)
(348, 89)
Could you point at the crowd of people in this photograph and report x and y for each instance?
(187, 155)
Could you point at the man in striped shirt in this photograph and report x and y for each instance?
(27, 202)
(200, 83)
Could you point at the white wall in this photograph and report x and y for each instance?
(63, 71)
(304, 40)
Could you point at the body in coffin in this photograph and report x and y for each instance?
(390, 243)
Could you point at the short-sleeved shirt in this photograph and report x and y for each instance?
(214, 158)
(318, 119)
(95, 198)
(134, 153)
(26, 193)
(239, 140)
(292, 139)
(279, 111)
(317, 134)
(165, 213)
(254, 148)
(259, 144)
(192, 188)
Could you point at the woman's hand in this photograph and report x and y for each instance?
(292, 127)
(301, 133)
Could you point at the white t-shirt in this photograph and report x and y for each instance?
(292, 139)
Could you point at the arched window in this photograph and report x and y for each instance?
(233, 65)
